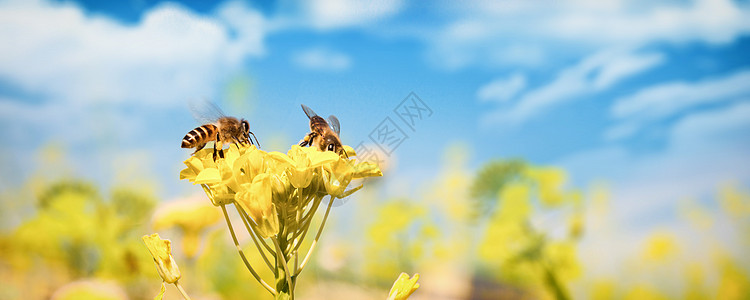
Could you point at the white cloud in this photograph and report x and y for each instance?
(729, 126)
(625, 66)
(669, 99)
(502, 89)
(322, 59)
(483, 33)
(594, 73)
(329, 14)
(59, 51)
(102, 87)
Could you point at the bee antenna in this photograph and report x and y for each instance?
(256, 139)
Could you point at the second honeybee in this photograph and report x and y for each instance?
(323, 135)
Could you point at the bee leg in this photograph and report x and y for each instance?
(307, 140)
(218, 147)
(238, 142)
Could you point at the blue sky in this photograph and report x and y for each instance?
(650, 96)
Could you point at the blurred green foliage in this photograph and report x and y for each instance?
(490, 179)
(76, 234)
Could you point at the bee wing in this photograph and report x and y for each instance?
(205, 111)
(334, 123)
(308, 111)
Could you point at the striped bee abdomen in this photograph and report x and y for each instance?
(200, 136)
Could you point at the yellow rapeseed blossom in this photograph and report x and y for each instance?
(161, 251)
(403, 287)
(256, 199)
(300, 166)
(277, 195)
(300, 163)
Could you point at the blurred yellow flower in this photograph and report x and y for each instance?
(734, 202)
(514, 202)
(256, 200)
(550, 181)
(734, 281)
(191, 217)
(161, 251)
(576, 225)
(563, 259)
(660, 247)
(403, 287)
(603, 289)
(90, 289)
(645, 293)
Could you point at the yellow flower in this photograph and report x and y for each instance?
(300, 163)
(366, 169)
(161, 250)
(201, 168)
(337, 176)
(248, 165)
(403, 287)
(256, 200)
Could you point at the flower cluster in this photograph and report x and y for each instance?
(277, 196)
(269, 185)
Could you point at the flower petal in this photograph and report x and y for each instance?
(367, 169)
(208, 176)
(403, 287)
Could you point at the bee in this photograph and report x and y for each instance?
(323, 134)
(225, 130)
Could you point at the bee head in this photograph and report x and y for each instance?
(331, 143)
(245, 126)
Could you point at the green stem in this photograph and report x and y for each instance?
(255, 241)
(300, 237)
(283, 262)
(242, 254)
(251, 227)
(317, 237)
(182, 291)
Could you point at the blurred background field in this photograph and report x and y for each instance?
(566, 150)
